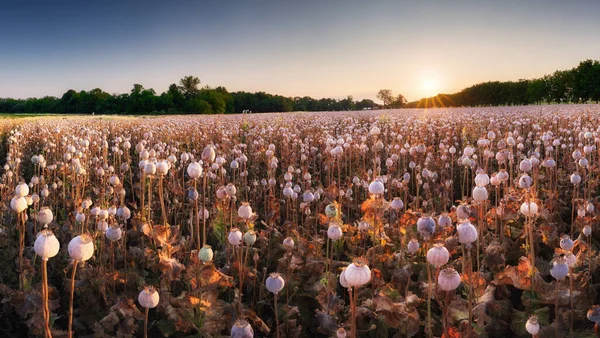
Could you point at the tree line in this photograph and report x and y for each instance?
(186, 97)
(577, 85)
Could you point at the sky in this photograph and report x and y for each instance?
(318, 48)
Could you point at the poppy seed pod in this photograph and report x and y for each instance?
(148, 298)
(334, 232)
(532, 326)
(235, 237)
(230, 190)
(559, 269)
(397, 203)
(194, 170)
(529, 209)
(45, 216)
(571, 259)
(288, 243)
(343, 281)
(482, 180)
(448, 279)
(566, 243)
(480, 194)
(288, 192)
(462, 212)
(413, 246)
(467, 233)
(206, 254)
(22, 190)
(426, 226)
(525, 181)
(114, 233)
(331, 210)
(438, 255)
(46, 244)
(245, 211)
(275, 283)
(357, 273)
(242, 329)
(587, 230)
(114, 180)
(341, 333)
(208, 154)
(123, 213)
(80, 217)
(102, 226)
(150, 168)
(18, 204)
(162, 167)
(444, 220)
(250, 237)
(575, 178)
(81, 248)
(376, 188)
(525, 165)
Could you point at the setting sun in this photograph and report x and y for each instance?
(430, 87)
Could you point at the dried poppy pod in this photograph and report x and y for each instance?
(242, 329)
(529, 209)
(334, 232)
(245, 211)
(532, 326)
(358, 273)
(162, 168)
(148, 297)
(397, 204)
(480, 194)
(376, 188)
(566, 243)
(81, 248)
(45, 216)
(426, 227)
(448, 279)
(467, 233)
(560, 268)
(114, 233)
(235, 237)
(18, 204)
(250, 237)
(413, 246)
(288, 243)
(274, 283)
(46, 244)
(22, 190)
(438, 255)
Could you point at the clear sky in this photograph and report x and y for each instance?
(324, 48)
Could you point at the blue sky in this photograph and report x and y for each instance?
(327, 48)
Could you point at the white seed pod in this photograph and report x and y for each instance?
(22, 190)
(235, 237)
(529, 209)
(525, 165)
(525, 181)
(482, 180)
(589, 208)
(343, 280)
(376, 188)
(426, 226)
(150, 168)
(46, 244)
(80, 217)
(114, 180)
(194, 170)
(208, 154)
(575, 178)
(413, 246)
(334, 232)
(241, 329)
(206, 254)
(230, 190)
(438, 255)
(114, 233)
(566, 243)
(448, 279)
(148, 298)
(45, 216)
(587, 230)
(288, 243)
(397, 204)
(340, 333)
(467, 233)
(275, 283)
(480, 194)
(571, 259)
(357, 273)
(162, 167)
(444, 220)
(559, 269)
(462, 212)
(532, 326)
(102, 214)
(18, 204)
(123, 213)
(245, 211)
(81, 248)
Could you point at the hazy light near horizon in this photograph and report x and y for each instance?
(309, 48)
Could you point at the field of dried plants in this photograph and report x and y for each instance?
(478, 222)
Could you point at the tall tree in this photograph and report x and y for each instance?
(386, 96)
(189, 86)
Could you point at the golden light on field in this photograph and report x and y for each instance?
(430, 86)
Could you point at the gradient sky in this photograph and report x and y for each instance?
(325, 48)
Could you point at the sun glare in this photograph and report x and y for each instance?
(429, 87)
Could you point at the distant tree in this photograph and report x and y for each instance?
(398, 102)
(386, 96)
(189, 86)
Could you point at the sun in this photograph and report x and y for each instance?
(430, 87)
